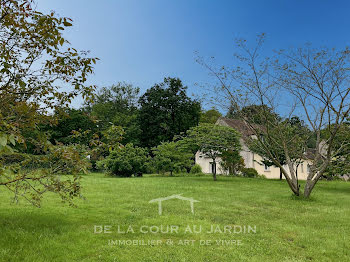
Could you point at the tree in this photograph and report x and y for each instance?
(340, 164)
(171, 157)
(117, 105)
(315, 83)
(125, 161)
(256, 114)
(213, 141)
(104, 142)
(293, 128)
(210, 116)
(166, 111)
(318, 79)
(71, 120)
(232, 161)
(36, 61)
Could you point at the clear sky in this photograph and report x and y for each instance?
(143, 41)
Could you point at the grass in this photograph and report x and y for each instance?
(287, 229)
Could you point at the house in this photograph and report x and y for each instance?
(251, 160)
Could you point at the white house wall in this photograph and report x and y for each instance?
(251, 160)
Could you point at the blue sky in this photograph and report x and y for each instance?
(143, 41)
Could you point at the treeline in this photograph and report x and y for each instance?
(128, 133)
(162, 112)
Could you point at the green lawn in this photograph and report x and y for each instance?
(287, 229)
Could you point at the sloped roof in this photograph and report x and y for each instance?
(247, 132)
(236, 124)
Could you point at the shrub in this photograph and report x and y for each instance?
(196, 169)
(250, 172)
(125, 161)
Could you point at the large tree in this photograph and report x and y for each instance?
(308, 82)
(256, 114)
(117, 105)
(69, 121)
(210, 116)
(39, 71)
(166, 111)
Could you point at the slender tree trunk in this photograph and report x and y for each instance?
(309, 186)
(313, 178)
(281, 174)
(292, 181)
(214, 170)
(296, 174)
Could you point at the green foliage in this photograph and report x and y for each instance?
(125, 161)
(210, 116)
(112, 137)
(280, 135)
(32, 176)
(69, 122)
(117, 105)
(166, 111)
(104, 143)
(171, 157)
(255, 114)
(212, 141)
(36, 61)
(196, 169)
(250, 172)
(340, 164)
(232, 161)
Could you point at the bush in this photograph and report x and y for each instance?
(125, 161)
(250, 172)
(196, 169)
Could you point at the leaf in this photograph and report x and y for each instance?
(67, 23)
(22, 84)
(12, 139)
(3, 140)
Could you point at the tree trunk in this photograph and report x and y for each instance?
(214, 170)
(313, 178)
(281, 174)
(291, 181)
(295, 189)
(309, 186)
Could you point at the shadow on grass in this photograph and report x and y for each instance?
(342, 187)
(302, 198)
(34, 222)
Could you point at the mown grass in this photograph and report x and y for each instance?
(287, 229)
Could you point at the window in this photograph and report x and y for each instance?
(302, 168)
